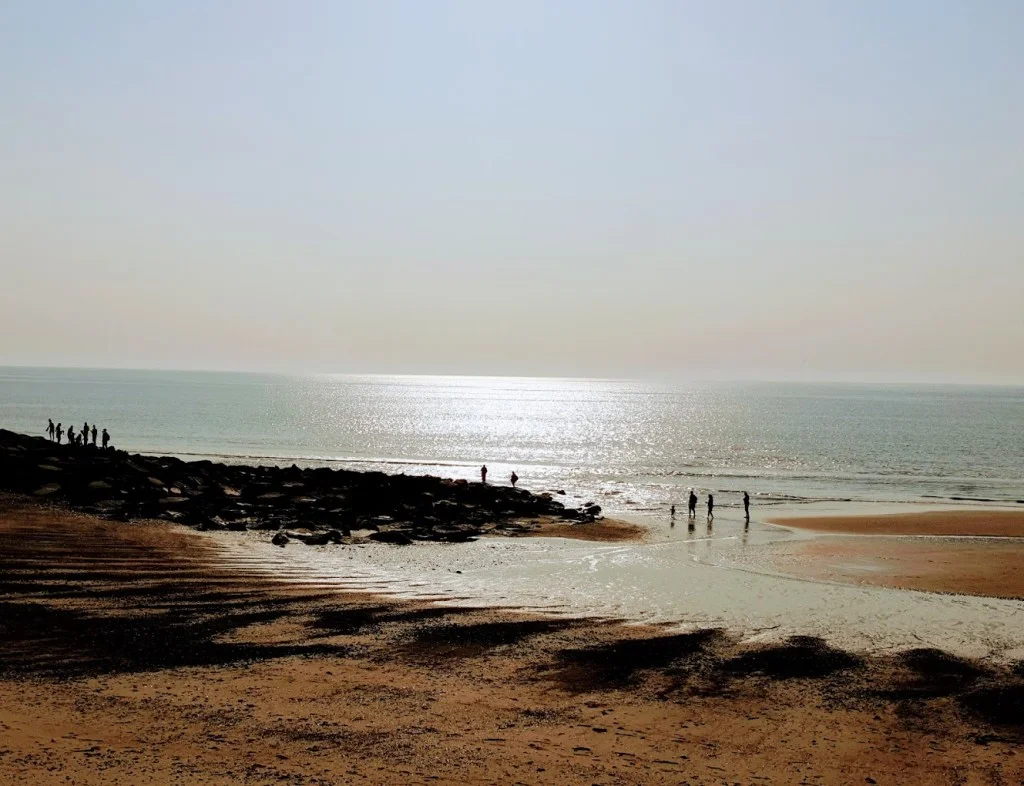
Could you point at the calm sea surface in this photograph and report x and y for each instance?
(630, 445)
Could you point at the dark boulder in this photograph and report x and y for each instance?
(391, 536)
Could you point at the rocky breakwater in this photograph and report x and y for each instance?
(316, 506)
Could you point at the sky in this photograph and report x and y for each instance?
(764, 189)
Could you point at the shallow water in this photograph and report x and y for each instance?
(716, 578)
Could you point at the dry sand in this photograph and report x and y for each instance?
(969, 552)
(127, 655)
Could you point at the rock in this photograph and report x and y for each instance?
(391, 536)
(460, 535)
(280, 539)
(331, 502)
(322, 538)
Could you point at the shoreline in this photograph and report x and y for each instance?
(130, 653)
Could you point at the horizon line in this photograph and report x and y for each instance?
(776, 376)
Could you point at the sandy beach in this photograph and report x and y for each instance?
(129, 654)
(969, 552)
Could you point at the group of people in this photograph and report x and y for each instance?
(81, 438)
(483, 476)
(692, 506)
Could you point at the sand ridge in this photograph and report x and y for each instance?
(969, 552)
(972, 522)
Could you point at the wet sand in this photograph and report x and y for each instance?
(963, 552)
(129, 654)
(986, 523)
(974, 568)
(601, 531)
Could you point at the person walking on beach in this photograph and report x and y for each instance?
(693, 505)
(106, 439)
(94, 435)
(59, 432)
(515, 479)
(711, 506)
(50, 429)
(746, 505)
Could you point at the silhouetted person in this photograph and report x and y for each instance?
(711, 506)
(50, 429)
(483, 474)
(746, 505)
(693, 505)
(515, 479)
(94, 435)
(85, 434)
(672, 511)
(71, 435)
(106, 439)
(59, 432)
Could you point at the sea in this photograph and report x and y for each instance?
(633, 446)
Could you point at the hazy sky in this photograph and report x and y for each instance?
(515, 188)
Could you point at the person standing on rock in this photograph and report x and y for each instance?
(483, 474)
(85, 434)
(515, 479)
(50, 429)
(59, 432)
(94, 435)
(71, 435)
(106, 439)
(711, 506)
